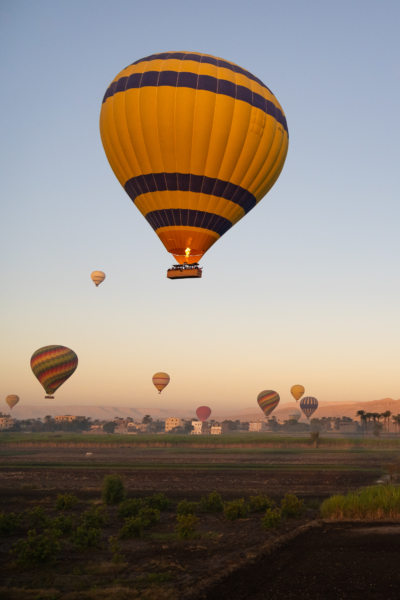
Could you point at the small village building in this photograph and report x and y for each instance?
(258, 426)
(68, 418)
(216, 429)
(199, 427)
(6, 422)
(173, 422)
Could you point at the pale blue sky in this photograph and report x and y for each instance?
(305, 289)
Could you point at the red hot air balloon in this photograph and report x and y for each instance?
(308, 405)
(268, 400)
(52, 366)
(203, 412)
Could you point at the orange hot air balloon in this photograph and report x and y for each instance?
(97, 277)
(12, 400)
(203, 412)
(297, 391)
(196, 142)
(160, 380)
(52, 366)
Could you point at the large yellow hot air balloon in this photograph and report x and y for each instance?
(196, 141)
(12, 400)
(160, 380)
(297, 391)
(97, 277)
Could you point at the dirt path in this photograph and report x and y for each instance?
(331, 562)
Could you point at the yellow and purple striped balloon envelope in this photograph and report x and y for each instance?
(268, 400)
(52, 366)
(196, 141)
(308, 405)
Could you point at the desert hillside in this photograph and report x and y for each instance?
(349, 409)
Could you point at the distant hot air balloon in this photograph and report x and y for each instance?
(308, 405)
(12, 400)
(98, 277)
(196, 142)
(203, 412)
(297, 391)
(52, 365)
(294, 416)
(160, 380)
(268, 400)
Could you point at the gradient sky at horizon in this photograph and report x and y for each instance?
(305, 289)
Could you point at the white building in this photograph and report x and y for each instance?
(216, 430)
(197, 427)
(257, 426)
(6, 422)
(173, 422)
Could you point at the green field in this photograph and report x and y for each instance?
(167, 440)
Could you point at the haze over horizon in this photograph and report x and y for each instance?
(252, 413)
(304, 289)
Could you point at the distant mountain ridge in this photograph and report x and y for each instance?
(342, 409)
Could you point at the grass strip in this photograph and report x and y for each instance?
(152, 466)
(372, 503)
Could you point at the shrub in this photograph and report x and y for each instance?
(66, 501)
(212, 503)
(158, 501)
(115, 549)
(9, 523)
(291, 506)
(133, 527)
(186, 526)
(272, 518)
(236, 509)
(36, 548)
(260, 503)
(86, 536)
(149, 516)
(130, 507)
(62, 524)
(185, 507)
(95, 516)
(113, 490)
(36, 518)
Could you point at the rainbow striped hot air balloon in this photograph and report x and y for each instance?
(308, 405)
(196, 141)
(160, 380)
(52, 366)
(268, 400)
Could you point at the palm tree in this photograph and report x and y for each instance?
(386, 416)
(396, 421)
(363, 418)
